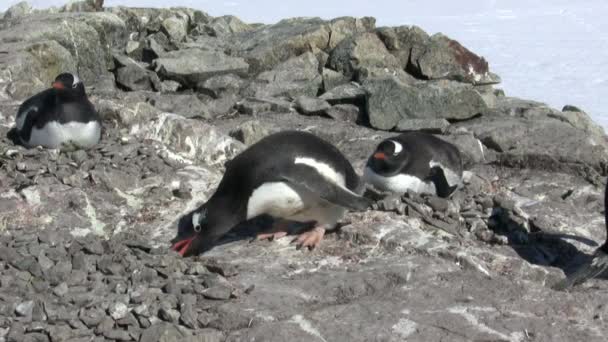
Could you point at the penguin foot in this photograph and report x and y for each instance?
(271, 236)
(592, 269)
(310, 238)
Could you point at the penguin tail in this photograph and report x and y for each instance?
(589, 270)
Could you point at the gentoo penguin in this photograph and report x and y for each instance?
(59, 116)
(415, 161)
(598, 263)
(289, 175)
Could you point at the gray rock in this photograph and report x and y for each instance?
(311, 106)
(61, 289)
(363, 50)
(186, 105)
(424, 125)
(163, 332)
(132, 76)
(191, 66)
(249, 132)
(226, 25)
(332, 79)
(346, 93)
(169, 315)
(390, 100)
(18, 10)
(134, 49)
(255, 106)
(344, 112)
(445, 58)
(222, 84)
(169, 86)
(406, 43)
(82, 6)
(118, 310)
(175, 28)
(294, 77)
(117, 335)
(25, 309)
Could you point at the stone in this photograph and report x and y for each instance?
(344, 112)
(219, 85)
(118, 310)
(332, 79)
(226, 25)
(445, 58)
(249, 132)
(175, 28)
(82, 6)
(423, 125)
(162, 332)
(255, 106)
(346, 93)
(132, 76)
(406, 43)
(191, 66)
(363, 50)
(295, 77)
(18, 10)
(390, 101)
(311, 106)
(61, 289)
(169, 315)
(186, 105)
(25, 309)
(117, 335)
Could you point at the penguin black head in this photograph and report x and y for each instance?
(388, 158)
(68, 85)
(199, 230)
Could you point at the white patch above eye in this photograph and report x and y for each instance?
(75, 81)
(195, 219)
(323, 169)
(398, 147)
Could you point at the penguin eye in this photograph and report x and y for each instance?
(197, 228)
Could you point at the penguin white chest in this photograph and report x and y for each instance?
(54, 134)
(281, 199)
(399, 183)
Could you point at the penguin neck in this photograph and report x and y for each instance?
(227, 212)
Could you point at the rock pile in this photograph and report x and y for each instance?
(84, 235)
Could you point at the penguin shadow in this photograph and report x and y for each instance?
(244, 231)
(12, 136)
(547, 249)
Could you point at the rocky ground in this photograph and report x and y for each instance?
(84, 235)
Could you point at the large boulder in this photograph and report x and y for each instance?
(226, 25)
(18, 10)
(390, 100)
(362, 50)
(294, 77)
(270, 45)
(191, 66)
(133, 76)
(435, 57)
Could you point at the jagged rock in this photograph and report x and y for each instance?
(220, 85)
(363, 50)
(191, 66)
(254, 106)
(424, 125)
(406, 43)
(267, 46)
(332, 79)
(188, 106)
(175, 28)
(249, 132)
(311, 106)
(344, 112)
(18, 10)
(132, 76)
(226, 25)
(163, 332)
(294, 77)
(390, 101)
(83, 6)
(346, 93)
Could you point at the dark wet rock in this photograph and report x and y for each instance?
(192, 66)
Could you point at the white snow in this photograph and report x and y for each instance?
(549, 51)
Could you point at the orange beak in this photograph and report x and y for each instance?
(57, 85)
(379, 155)
(182, 246)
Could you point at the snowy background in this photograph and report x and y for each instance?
(553, 51)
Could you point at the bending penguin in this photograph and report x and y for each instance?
(598, 263)
(415, 161)
(290, 175)
(59, 116)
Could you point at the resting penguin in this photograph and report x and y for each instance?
(415, 161)
(598, 263)
(61, 115)
(290, 175)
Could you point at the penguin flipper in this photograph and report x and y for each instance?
(597, 266)
(306, 177)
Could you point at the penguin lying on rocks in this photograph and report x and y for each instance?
(290, 175)
(59, 116)
(415, 161)
(598, 263)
